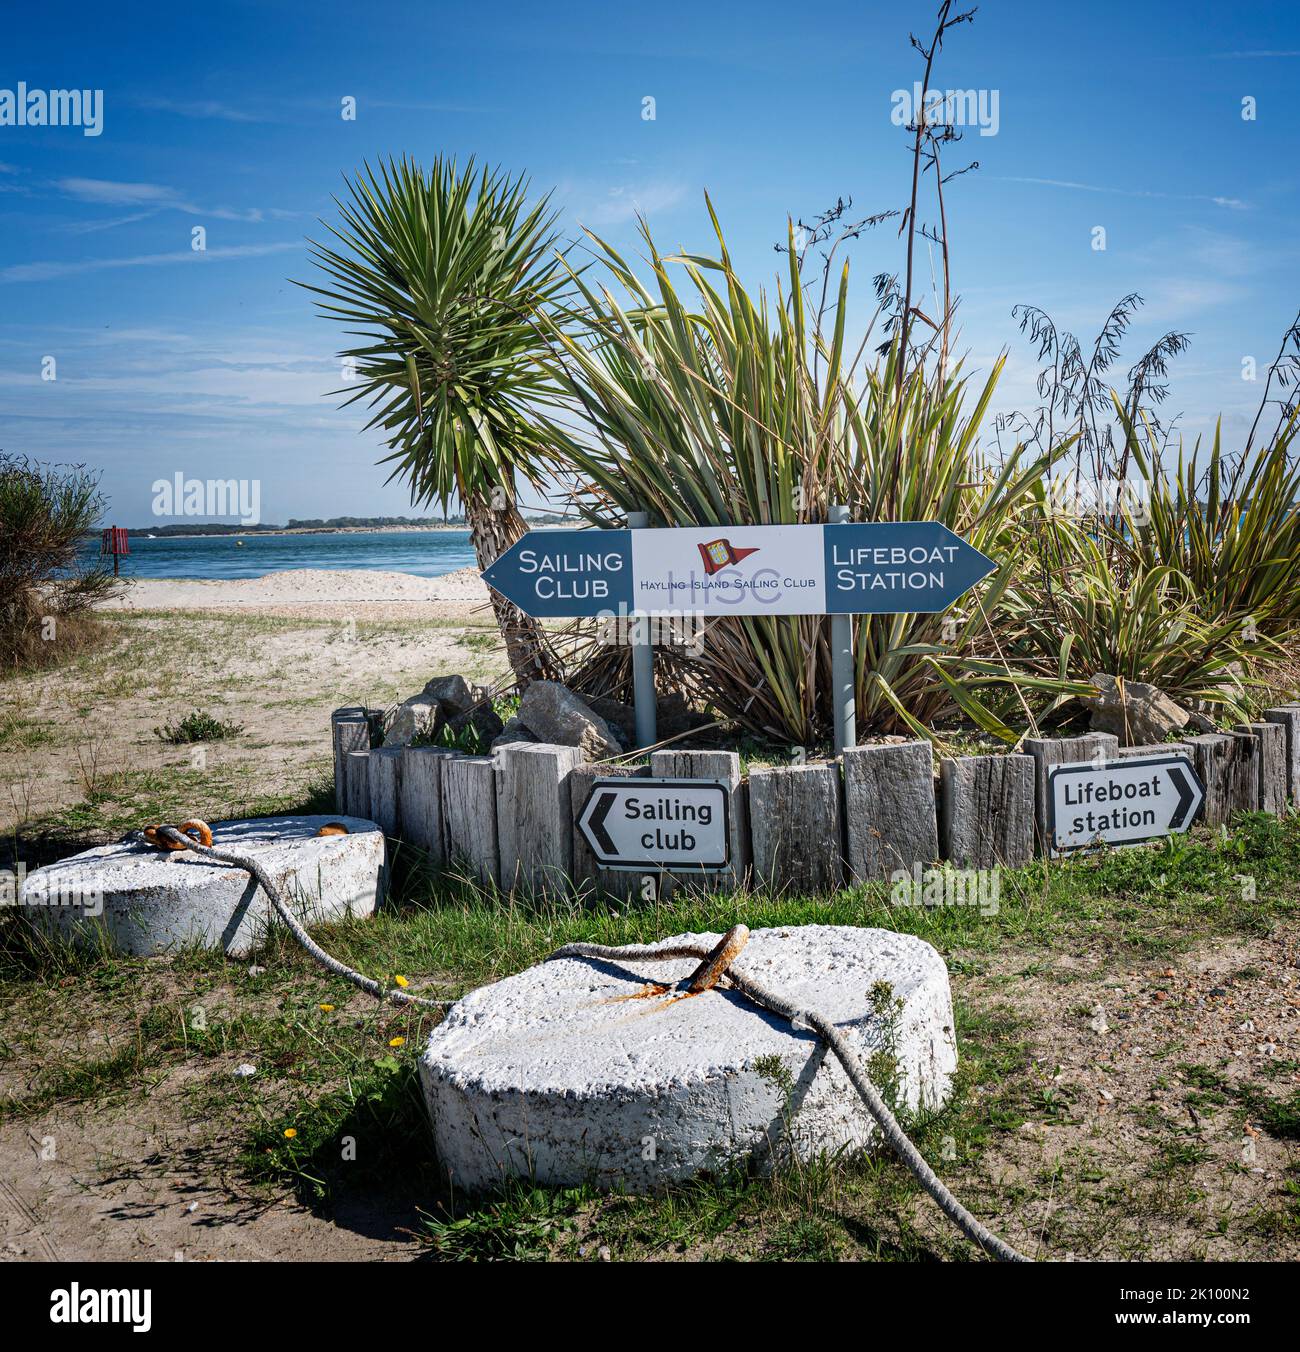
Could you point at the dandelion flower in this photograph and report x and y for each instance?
(327, 1009)
(402, 981)
(396, 1041)
(290, 1132)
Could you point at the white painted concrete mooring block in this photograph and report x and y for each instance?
(582, 1069)
(142, 901)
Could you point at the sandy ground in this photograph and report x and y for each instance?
(273, 654)
(304, 592)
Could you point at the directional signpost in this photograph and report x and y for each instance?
(681, 825)
(840, 568)
(851, 568)
(1121, 802)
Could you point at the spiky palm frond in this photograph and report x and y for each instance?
(442, 276)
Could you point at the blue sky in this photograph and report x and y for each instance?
(227, 116)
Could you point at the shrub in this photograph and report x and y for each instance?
(46, 594)
(197, 726)
(712, 407)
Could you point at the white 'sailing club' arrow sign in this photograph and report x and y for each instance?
(681, 825)
(1121, 801)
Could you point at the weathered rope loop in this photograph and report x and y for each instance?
(973, 1229)
(172, 838)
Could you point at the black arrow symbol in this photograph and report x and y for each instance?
(1186, 795)
(596, 822)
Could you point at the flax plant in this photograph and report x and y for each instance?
(713, 406)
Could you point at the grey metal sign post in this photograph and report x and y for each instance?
(842, 674)
(643, 664)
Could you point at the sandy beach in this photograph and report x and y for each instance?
(308, 593)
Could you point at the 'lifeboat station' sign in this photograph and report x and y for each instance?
(896, 567)
(1122, 801)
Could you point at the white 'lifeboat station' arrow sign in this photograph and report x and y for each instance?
(1122, 801)
(887, 567)
(681, 825)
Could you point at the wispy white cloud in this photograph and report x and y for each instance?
(1233, 203)
(95, 227)
(202, 108)
(623, 202)
(1249, 56)
(47, 271)
(156, 196)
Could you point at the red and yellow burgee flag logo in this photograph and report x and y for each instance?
(719, 553)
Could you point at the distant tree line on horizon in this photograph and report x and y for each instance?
(316, 523)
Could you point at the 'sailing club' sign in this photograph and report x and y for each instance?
(682, 825)
(1122, 801)
(852, 568)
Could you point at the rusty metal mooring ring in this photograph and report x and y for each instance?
(197, 830)
(714, 967)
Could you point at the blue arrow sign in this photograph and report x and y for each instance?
(894, 567)
(550, 573)
(898, 567)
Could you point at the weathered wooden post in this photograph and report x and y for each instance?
(795, 820)
(723, 767)
(386, 789)
(349, 731)
(889, 810)
(1288, 715)
(1050, 751)
(421, 808)
(987, 811)
(1227, 764)
(356, 784)
(534, 814)
(1271, 737)
(469, 815)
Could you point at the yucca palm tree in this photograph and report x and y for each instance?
(442, 276)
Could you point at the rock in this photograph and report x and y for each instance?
(1098, 1022)
(445, 702)
(554, 714)
(243, 1070)
(1133, 711)
(419, 714)
(452, 692)
(512, 731)
(577, 1070)
(673, 717)
(620, 717)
